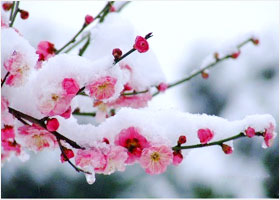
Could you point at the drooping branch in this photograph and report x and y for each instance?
(219, 142)
(20, 115)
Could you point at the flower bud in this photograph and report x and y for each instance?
(182, 139)
(112, 9)
(52, 124)
(250, 132)
(106, 140)
(205, 74)
(162, 87)
(88, 19)
(24, 14)
(117, 53)
(205, 135)
(177, 158)
(7, 6)
(227, 149)
(235, 55)
(255, 41)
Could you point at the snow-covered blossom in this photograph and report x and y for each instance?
(141, 44)
(36, 138)
(205, 135)
(156, 159)
(45, 50)
(133, 141)
(103, 88)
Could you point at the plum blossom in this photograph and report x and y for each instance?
(141, 44)
(58, 103)
(205, 135)
(162, 87)
(156, 159)
(133, 141)
(269, 136)
(45, 50)
(36, 138)
(102, 88)
(18, 68)
(88, 19)
(68, 152)
(52, 124)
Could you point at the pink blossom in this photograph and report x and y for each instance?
(227, 149)
(115, 158)
(162, 87)
(133, 141)
(17, 67)
(156, 159)
(8, 133)
(91, 158)
(250, 132)
(6, 117)
(37, 138)
(103, 88)
(70, 86)
(141, 44)
(177, 158)
(11, 146)
(52, 124)
(205, 135)
(68, 152)
(269, 135)
(133, 101)
(45, 50)
(67, 113)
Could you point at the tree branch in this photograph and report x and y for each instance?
(219, 142)
(15, 14)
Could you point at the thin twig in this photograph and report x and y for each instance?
(4, 79)
(15, 14)
(83, 49)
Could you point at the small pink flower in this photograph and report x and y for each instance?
(227, 149)
(177, 158)
(45, 50)
(11, 146)
(18, 68)
(103, 88)
(68, 152)
(89, 19)
(269, 135)
(115, 158)
(162, 87)
(91, 158)
(52, 124)
(205, 135)
(141, 44)
(8, 133)
(250, 132)
(37, 138)
(133, 101)
(67, 113)
(133, 141)
(156, 159)
(70, 86)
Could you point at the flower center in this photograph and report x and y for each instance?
(55, 97)
(155, 156)
(132, 144)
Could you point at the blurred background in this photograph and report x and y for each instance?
(185, 32)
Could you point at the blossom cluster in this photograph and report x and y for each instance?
(115, 78)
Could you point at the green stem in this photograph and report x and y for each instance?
(76, 44)
(91, 114)
(83, 49)
(12, 12)
(134, 93)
